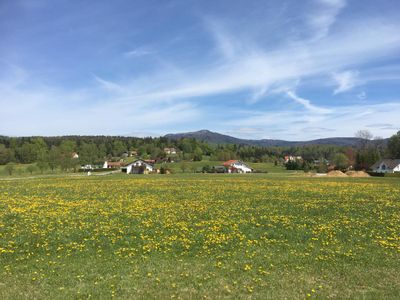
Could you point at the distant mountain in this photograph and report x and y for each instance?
(217, 138)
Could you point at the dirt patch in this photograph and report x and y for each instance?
(336, 174)
(357, 174)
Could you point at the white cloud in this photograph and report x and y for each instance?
(341, 122)
(138, 52)
(324, 16)
(258, 94)
(255, 69)
(108, 85)
(225, 42)
(171, 95)
(306, 103)
(346, 81)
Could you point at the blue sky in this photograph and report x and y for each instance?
(292, 70)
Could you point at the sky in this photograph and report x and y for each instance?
(293, 70)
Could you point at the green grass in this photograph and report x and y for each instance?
(196, 236)
(191, 167)
(197, 166)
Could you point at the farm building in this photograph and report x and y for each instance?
(112, 164)
(237, 166)
(138, 167)
(386, 166)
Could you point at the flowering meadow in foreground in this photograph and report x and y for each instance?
(200, 236)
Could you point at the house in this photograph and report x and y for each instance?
(87, 167)
(288, 158)
(237, 166)
(170, 150)
(150, 161)
(113, 164)
(386, 166)
(139, 166)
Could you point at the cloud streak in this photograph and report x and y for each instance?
(306, 103)
(324, 16)
(259, 74)
(346, 81)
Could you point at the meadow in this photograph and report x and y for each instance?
(200, 236)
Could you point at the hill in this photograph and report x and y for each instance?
(217, 138)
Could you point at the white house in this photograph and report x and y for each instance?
(386, 166)
(237, 166)
(138, 167)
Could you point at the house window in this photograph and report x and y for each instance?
(383, 167)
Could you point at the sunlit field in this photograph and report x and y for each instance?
(200, 236)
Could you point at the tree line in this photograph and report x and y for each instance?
(57, 152)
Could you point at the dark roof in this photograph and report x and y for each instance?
(390, 163)
(146, 163)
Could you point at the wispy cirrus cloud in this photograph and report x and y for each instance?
(324, 15)
(108, 85)
(346, 81)
(217, 63)
(138, 52)
(343, 121)
(255, 69)
(306, 103)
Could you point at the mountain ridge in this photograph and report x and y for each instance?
(218, 138)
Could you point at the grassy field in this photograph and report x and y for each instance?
(21, 170)
(200, 236)
(196, 166)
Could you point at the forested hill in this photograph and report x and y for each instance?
(217, 138)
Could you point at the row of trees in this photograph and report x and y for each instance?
(54, 152)
(362, 156)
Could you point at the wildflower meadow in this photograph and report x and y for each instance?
(199, 236)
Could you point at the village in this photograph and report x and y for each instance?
(131, 163)
(148, 166)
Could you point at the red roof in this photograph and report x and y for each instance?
(229, 162)
(115, 163)
(150, 161)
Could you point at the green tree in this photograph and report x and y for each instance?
(54, 158)
(198, 154)
(206, 169)
(183, 166)
(340, 161)
(88, 153)
(26, 153)
(321, 167)
(68, 147)
(31, 168)
(42, 165)
(118, 147)
(5, 155)
(10, 168)
(393, 146)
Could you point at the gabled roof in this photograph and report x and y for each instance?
(230, 162)
(143, 161)
(390, 163)
(115, 163)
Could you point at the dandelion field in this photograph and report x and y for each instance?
(200, 237)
